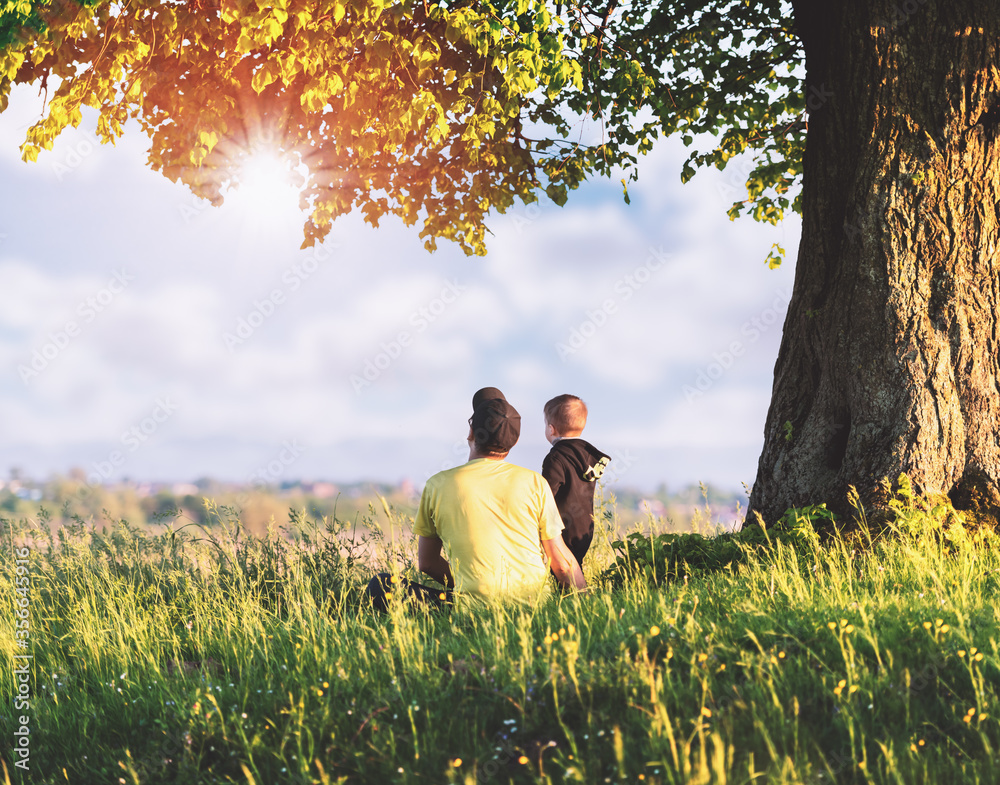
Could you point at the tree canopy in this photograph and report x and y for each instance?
(437, 112)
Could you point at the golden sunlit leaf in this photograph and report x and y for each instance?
(208, 139)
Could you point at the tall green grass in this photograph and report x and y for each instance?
(204, 656)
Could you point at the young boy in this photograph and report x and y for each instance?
(572, 468)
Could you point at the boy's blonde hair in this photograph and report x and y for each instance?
(566, 413)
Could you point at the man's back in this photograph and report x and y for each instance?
(491, 517)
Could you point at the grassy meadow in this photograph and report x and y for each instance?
(204, 655)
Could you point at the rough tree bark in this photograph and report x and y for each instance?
(889, 356)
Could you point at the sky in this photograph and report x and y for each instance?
(147, 335)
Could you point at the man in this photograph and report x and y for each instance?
(488, 528)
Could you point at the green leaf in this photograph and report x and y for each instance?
(775, 257)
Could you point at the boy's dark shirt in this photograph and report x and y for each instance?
(572, 468)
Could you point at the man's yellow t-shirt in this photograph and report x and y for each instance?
(491, 517)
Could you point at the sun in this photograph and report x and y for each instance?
(265, 189)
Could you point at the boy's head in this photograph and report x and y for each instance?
(565, 416)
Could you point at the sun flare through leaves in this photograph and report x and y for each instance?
(266, 187)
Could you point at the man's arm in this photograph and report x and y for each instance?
(431, 562)
(564, 564)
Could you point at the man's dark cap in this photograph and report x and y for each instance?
(486, 394)
(496, 425)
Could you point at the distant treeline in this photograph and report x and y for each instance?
(60, 499)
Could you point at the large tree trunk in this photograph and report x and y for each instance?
(889, 357)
